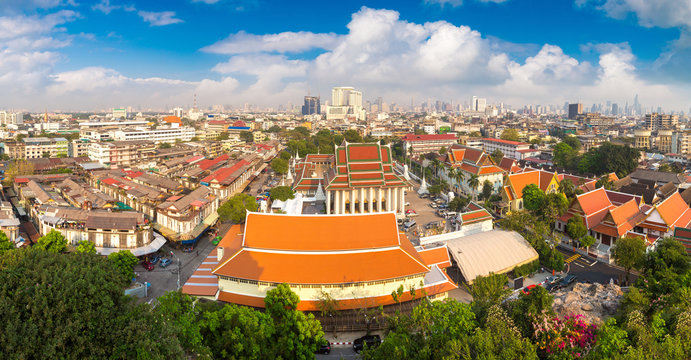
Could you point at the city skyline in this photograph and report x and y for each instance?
(63, 55)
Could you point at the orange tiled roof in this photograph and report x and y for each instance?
(517, 182)
(593, 201)
(321, 267)
(328, 249)
(203, 282)
(674, 211)
(436, 256)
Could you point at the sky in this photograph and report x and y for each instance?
(74, 55)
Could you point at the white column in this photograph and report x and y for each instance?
(337, 202)
(352, 201)
(343, 201)
(370, 199)
(379, 197)
(328, 202)
(394, 200)
(388, 199)
(361, 197)
(402, 202)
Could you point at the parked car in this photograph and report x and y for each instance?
(165, 262)
(325, 348)
(154, 259)
(147, 265)
(433, 205)
(552, 282)
(566, 281)
(526, 290)
(409, 225)
(367, 340)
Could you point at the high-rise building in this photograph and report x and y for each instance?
(574, 110)
(7, 118)
(119, 113)
(312, 105)
(345, 102)
(478, 104)
(178, 111)
(615, 109)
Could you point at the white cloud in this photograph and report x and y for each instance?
(105, 7)
(207, 1)
(285, 42)
(660, 13)
(161, 18)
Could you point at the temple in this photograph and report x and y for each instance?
(357, 260)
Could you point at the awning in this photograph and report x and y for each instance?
(211, 219)
(152, 247)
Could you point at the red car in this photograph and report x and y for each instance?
(526, 290)
(147, 265)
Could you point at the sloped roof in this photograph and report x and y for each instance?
(436, 256)
(322, 249)
(495, 251)
(674, 211)
(363, 164)
(517, 182)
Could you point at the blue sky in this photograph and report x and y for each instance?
(78, 54)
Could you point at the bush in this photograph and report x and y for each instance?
(527, 269)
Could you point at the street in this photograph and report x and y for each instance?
(588, 270)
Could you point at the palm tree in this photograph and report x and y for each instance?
(444, 185)
(458, 175)
(474, 182)
(435, 165)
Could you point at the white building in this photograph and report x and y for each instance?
(510, 149)
(161, 134)
(345, 102)
(179, 112)
(119, 113)
(7, 118)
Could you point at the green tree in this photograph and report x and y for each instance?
(282, 193)
(575, 227)
(533, 198)
(285, 155)
(510, 134)
(496, 156)
(555, 205)
(487, 190)
(279, 165)
(605, 181)
(274, 129)
(164, 145)
(528, 309)
(237, 332)
(246, 136)
(86, 247)
(629, 253)
(124, 261)
(442, 150)
(223, 136)
(564, 155)
(297, 335)
(487, 291)
(17, 168)
(573, 142)
(352, 136)
(5, 243)
(178, 310)
(53, 241)
(474, 183)
(567, 188)
(72, 306)
(235, 209)
(587, 241)
(458, 203)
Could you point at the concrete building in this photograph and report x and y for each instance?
(642, 139)
(116, 154)
(657, 121)
(160, 134)
(664, 141)
(119, 113)
(38, 147)
(422, 144)
(312, 105)
(346, 102)
(574, 110)
(510, 149)
(11, 118)
(184, 218)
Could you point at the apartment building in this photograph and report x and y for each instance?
(161, 134)
(37, 147)
(117, 154)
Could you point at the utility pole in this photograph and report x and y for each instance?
(179, 268)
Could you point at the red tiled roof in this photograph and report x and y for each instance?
(436, 256)
(208, 163)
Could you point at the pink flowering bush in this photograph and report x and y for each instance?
(567, 338)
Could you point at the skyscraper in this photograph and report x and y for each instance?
(574, 110)
(312, 105)
(345, 102)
